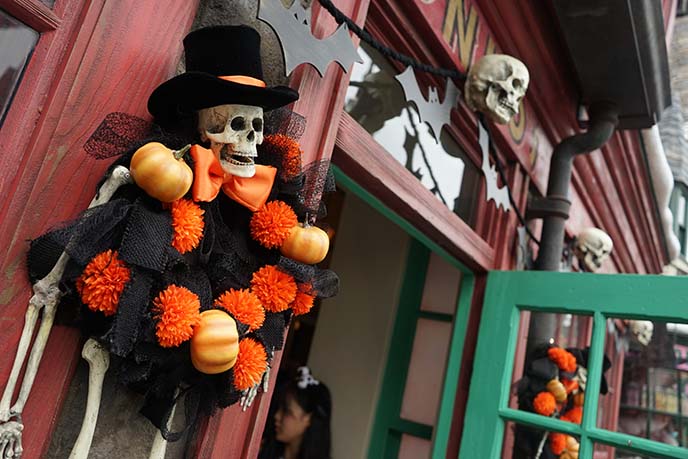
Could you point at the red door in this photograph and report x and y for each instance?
(89, 58)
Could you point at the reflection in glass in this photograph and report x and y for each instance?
(616, 453)
(376, 101)
(653, 400)
(522, 442)
(550, 380)
(17, 42)
(48, 3)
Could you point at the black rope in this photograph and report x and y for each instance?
(389, 52)
(451, 73)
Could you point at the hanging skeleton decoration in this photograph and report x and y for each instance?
(431, 111)
(593, 247)
(229, 98)
(495, 86)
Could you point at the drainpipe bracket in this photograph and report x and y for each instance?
(540, 207)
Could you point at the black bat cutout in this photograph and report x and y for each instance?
(431, 111)
(299, 46)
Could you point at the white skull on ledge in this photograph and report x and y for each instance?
(593, 246)
(233, 132)
(495, 86)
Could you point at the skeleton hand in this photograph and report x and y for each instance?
(250, 394)
(10, 439)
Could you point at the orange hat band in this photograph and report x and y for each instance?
(247, 80)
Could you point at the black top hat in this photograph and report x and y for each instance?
(222, 67)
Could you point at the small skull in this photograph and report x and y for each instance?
(641, 330)
(495, 86)
(233, 132)
(593, 246)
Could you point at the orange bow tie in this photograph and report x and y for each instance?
(251, 192)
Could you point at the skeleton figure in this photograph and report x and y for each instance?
(593, 247)
(233, 132)
(495, 86)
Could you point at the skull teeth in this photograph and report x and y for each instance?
(237, 160)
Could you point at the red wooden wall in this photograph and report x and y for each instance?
(103, 57)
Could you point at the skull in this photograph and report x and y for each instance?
(593, 246)
(495, 86)
(641, 330)
(233, 132)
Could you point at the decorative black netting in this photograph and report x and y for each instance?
(140, 229)
(117, 133)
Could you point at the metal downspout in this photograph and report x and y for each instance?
(603, 119)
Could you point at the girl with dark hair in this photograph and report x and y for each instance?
(301, 422)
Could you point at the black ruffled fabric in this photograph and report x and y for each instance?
(140, 229)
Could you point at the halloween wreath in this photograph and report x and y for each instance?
(189, 275)
(553, 385)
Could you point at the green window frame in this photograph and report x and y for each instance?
(389, 426)
(640, 297)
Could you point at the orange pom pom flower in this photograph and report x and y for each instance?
(557, 442)
(564, 359)
(274, 288)
(177, 310)
(187, 225)
(102, 282)
(251, 363)
(544, 403)
(574, 415)
(244, 306)
(271, 225)
(286, 148)
(303, 302)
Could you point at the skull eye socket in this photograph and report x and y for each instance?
(516, 83)
(238, 123)
(216, 128)
(257, 124)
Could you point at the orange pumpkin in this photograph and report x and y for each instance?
(161, 172)
(556, 388)
(215, 343)
(307, 244)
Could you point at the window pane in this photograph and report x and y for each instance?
(609, 452)
(441, 286)
(17, 42)
(376, 101)
(426, 371)
(523, 442)
(651, 371)
(550, 375)
(414, 448)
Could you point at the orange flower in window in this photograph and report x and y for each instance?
(574, 415)
(544, 404)
(102, 282)
(303, 302)
(177, 310)
(564, 359)
(251, 363)
(557, 442)
(271, 225)
(274, 288)
(244, 306)
(187, 225)
(570, 385)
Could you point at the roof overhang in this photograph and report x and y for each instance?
(619, 53)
